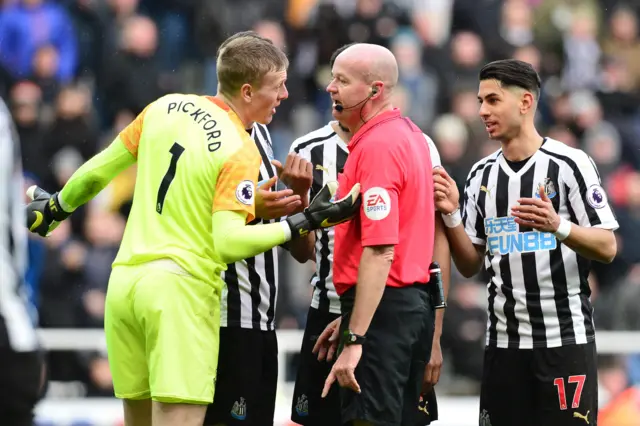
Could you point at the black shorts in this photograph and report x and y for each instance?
(21, 376)
(308, 408)
(394, 356)
(424, 413)
(247, 378)
(551, 387)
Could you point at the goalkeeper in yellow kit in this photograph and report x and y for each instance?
(194, 193)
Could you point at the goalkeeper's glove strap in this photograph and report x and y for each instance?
(300, 224)
(55, 210)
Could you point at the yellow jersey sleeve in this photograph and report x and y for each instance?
(236, 185)
(130, 135)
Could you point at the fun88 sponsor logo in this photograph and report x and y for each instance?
(503, 237)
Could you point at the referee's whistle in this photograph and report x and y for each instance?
(435, 278)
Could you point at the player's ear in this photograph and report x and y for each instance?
(246, 92)
(527, 102)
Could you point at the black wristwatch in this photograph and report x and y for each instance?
(350, 338)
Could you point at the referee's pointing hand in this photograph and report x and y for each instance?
(344, 369)
(537, 213)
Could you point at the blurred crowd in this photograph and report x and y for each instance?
(75, 72)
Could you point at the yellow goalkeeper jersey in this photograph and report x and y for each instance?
(194, 158)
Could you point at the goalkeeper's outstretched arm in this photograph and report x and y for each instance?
(94, 175)
(234, 240)
(46, 211)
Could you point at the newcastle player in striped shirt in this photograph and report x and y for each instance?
(248, 361)
(21, 362)
(326, 149)
(535, 215)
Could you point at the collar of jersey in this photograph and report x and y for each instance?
(219, 102)
(378, 119)
(232, 114)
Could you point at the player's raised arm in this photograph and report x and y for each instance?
(465, 233)
(301, 249)
(87, 182)
(592, 236)
(234, 202)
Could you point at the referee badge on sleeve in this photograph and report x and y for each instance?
(377, 203)
(245, 192)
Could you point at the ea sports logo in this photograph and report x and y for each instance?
(377, 203)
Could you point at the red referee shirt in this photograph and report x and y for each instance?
(390, 158)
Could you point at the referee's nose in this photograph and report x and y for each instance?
(332, 88)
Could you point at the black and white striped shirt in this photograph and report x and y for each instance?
(328, 152)
(249, 297)
(16, 329)
(538, 289)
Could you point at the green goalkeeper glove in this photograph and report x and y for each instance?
(323, 212)
(44, 213)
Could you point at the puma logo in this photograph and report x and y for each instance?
(580, 416)
(423, 405)
(324, 169)
(487, 190)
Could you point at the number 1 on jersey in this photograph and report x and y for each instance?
(176, 151)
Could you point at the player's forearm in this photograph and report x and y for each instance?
(303, 249)
(234, 240)
(373, 272)
(592, 243)
(94, 175)
(442, 255)
(466, 255)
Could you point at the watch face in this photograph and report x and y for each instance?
(353, 338)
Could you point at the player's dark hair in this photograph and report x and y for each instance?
(337, 52)
(513, 73)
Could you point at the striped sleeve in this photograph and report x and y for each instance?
(302, 152)
(472, 218)
(586, 196)
(435, 155)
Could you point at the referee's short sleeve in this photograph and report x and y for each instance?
(472, 218)
(587, 198)
(381, 176)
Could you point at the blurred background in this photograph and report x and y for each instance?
(75, 72)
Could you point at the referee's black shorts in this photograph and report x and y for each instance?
(308, 407)
(546, 386)
(21, 386)
(394, 357)
(247, 378)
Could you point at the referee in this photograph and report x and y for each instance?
(326, 149)
(21, 363)
(535, 215)
(387, 325)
